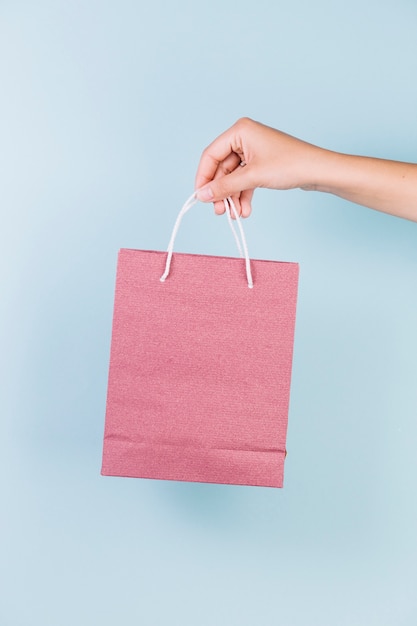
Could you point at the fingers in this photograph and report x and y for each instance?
(246, 202)
(219, 174)
(219, 207)
(216, 153)
(230, 163)
(237, 185)
(223, 186)
(227, 166)
(242, 202)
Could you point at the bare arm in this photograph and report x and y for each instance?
(388, 186)
(276, 160)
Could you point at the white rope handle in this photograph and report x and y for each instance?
(229, 206)
(232, 228)
(243, 238)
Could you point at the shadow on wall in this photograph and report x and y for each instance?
(205, 504)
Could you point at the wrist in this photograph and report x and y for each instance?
(325, 171)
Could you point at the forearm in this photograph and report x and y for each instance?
(388, 186)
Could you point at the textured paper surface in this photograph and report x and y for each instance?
(200, 369)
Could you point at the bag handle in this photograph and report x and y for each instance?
(229, 206)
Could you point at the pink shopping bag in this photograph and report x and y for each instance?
(200, 368)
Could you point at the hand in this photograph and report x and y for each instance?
(251, 155)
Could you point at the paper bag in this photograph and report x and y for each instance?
(200, 369)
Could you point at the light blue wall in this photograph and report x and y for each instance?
(104, 110)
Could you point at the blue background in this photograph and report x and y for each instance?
(104, 110)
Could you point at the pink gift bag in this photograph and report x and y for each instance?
(200, 367)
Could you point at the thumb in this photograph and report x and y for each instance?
(230, 185)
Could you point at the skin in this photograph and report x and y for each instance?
(250, 155)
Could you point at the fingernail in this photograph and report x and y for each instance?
(205, 194)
